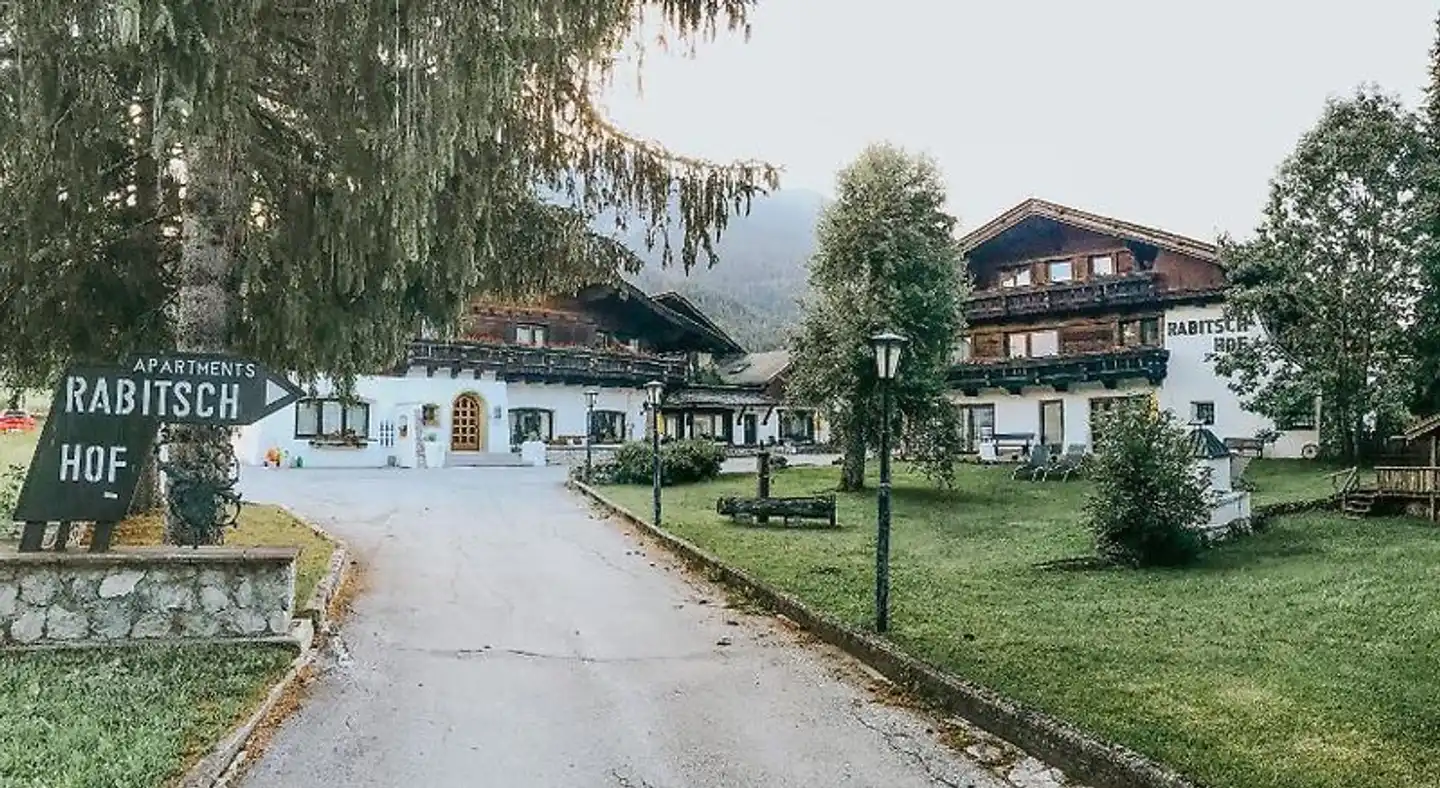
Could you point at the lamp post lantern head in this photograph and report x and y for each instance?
(590, 395)
(654, 390)
(887, 346)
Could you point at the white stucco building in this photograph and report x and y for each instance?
(520, 374)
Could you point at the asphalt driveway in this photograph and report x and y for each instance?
(507, 637)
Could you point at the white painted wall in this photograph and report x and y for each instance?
(1190, 377)
(567, 402)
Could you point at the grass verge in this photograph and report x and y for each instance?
(124, 718)
(1301, 657)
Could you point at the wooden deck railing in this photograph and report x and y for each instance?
(1344, 482)
(1414, 480)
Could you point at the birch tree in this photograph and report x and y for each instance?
(336, 173)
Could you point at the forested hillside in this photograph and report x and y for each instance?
(752, 291)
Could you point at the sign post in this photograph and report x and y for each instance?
(104, 420)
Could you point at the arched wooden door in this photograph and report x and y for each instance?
(467, 423)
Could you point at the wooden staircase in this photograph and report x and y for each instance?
(1357, 504)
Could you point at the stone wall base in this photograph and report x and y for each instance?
(151, 594)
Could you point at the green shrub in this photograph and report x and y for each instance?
(681, 462)
(1147, 497)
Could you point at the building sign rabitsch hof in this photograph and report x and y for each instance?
(104, 420)
(1229, 333)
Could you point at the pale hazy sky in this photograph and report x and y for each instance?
(1162, 112)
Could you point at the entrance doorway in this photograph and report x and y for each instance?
(467, 423)
(751, 429)
(1052, 423)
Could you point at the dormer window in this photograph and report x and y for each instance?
(1061, 270)
(1015, 277)
(1102, 265)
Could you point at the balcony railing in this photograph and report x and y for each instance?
(1108, 367)
(1408, 481)
(1133, 288)
(547, 364)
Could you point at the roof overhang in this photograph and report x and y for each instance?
(1104, 225)
(700, 337)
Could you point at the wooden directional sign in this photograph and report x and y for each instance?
(104, 419)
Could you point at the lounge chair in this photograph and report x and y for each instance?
(1033, 467)
(1067, 464)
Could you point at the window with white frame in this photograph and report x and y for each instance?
(531, 335)
(1061, 270)
(1102, 265)
(528, 424)
(1015, 277)
(608, 426)
(1018, 345)
(322, 417)
(962, 351)
(1045, 343)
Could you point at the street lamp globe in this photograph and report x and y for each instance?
(887, 346)
(653, 392)
(590, 395)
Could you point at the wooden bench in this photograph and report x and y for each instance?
(1253, 447)
(817, 507)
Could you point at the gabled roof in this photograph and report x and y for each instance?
(713, 339)
(1084, 220)
(685, 306)
(1204, 445)
(754, 369)
(1423, 427)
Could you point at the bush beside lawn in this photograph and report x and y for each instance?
(1301, 657)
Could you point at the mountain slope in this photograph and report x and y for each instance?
(752, 291)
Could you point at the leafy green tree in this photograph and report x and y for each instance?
(1147, 496)
(886, 260)
(1426, 397)
(1333, 275)
(336, 174)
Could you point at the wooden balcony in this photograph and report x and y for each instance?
(1108, 367)
(1130, 289)
(1408, 482)
(576, 365)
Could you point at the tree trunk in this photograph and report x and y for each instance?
(200, 457)
(852, 468)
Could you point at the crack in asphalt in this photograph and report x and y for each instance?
(625, 782)
(891, 738)
(464, 653)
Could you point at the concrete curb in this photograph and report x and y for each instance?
(1080, 755)
(216, 767)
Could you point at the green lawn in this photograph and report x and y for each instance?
(1303, 657)
(125, 718)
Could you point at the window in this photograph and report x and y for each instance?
(1019, 347)
(607, 426)
(528, 424)
(429, 415)
(323, 418)
(1202, 413)
(1015, 277)
(602, 339)
(1299, 418)
(531, 335)
(715, 426)
(797, 426)
(1102, 265)
(1045, 343)
(1061, 270)
(977, 422)
(1052, 423)
(1143, 332)
(963, 348)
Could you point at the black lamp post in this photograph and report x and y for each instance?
(654, 390)
(590, 395)
(887, 346)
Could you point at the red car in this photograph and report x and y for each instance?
(16, 421)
